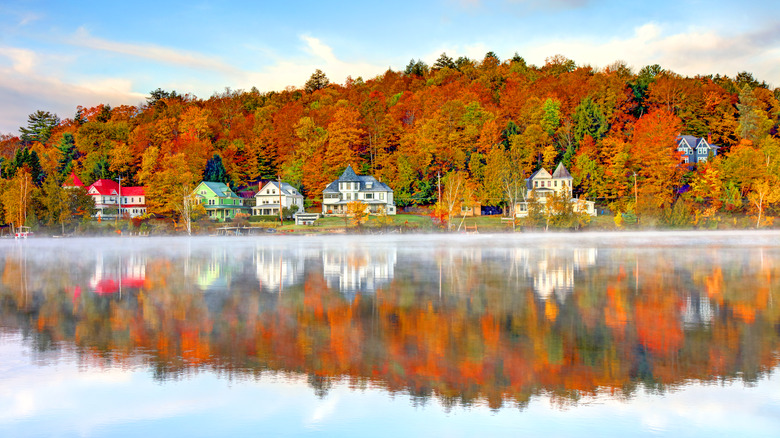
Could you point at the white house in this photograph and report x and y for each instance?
(108, 196)
(541, 184)
(267, 199)
(353, 187)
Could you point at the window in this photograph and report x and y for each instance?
(368, 196)
(555, 183)
(685, 159)
(536, 183)
(349, 196)
(548, 183)
(382, 196)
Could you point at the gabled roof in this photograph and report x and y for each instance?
(349, 175)
(688, 140)
(286, 189)
(363, 180)
(541, 173)
(561, 172)
(219, 189)
(694, 142)
(105, 187)
(72, 181)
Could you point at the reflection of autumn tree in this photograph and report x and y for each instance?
(485, 337)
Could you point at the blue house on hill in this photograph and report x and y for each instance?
(694, 149)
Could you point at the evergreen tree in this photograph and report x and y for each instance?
(68, 153)
(39, 127)
(317, 81)
(444, 61)
(215, 171)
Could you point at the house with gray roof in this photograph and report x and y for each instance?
(353, 187)
(541, 185)
(219, 200)
(268, 198)
(695, 150)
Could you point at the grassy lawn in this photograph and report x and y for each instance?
(336, 224)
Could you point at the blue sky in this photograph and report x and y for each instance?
(57, 55)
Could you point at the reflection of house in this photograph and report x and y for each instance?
(353, 270)
(695, 150)
(541, 186)
(215, 272)
(109, 197)
(118, 274)
(697, 311)
(267, 199)
(552, 271)
(219, 201)
(278, 269)
(352, 187)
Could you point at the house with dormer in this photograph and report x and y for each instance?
(542, 185)
(111, 198)
(219, 200)
(696, 150)
(272, 195)
(353, 187)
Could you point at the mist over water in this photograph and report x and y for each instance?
(601, 332)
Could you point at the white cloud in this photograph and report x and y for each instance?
(22, 61)
(691, 51)
(319, 50)
(26, 86)
(153, 52)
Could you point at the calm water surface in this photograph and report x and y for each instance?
(654, 334)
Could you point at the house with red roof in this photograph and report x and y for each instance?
(110, 198)
(72, 181)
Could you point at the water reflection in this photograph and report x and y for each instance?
(476, 319)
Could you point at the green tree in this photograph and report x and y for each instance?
(589, 120)
(215, 171)
(68, 153)
(39, 127)
(754, 122)
(317, 81)
(416, 68)
(444, 61)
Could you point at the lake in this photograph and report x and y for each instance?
(604, 334)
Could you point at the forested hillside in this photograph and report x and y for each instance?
(489, 123)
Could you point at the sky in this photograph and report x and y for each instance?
(55, 55)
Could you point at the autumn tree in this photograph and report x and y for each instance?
(655, 160)
(16, 196)
(357, 212)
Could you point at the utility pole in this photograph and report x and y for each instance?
(281, 217)
(119, 201)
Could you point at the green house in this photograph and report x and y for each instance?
(219, 201)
